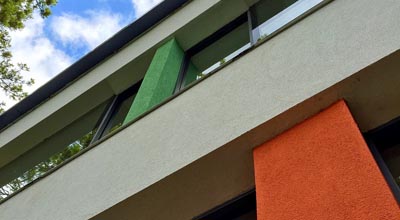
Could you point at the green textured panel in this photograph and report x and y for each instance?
(191, 74)
(160, 79)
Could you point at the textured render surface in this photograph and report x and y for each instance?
(304, 60)
(192, 191)
(160, 79)
(321, 169)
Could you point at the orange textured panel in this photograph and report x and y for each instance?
(321, 169)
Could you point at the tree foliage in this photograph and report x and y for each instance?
(13, 14)
(45, 166)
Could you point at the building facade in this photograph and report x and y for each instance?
(217, 109)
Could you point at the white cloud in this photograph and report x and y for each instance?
(87, 31)
(75, 32)
(31, 46)
(143, 6)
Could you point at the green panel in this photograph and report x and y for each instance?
(160, 79)
(191, 74)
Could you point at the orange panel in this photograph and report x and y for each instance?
(321, 169)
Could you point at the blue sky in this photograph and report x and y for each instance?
(122, 8)
(74, 6)
(75, 27)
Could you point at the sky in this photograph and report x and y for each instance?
(76, 27)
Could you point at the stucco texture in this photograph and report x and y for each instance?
(321, 169)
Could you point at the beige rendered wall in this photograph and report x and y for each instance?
(321, 50)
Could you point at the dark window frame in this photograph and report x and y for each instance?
(111, 109)
(233, 208)
(226, 29)
(378, 139)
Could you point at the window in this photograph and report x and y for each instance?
(117, 111)
(214, 51)
(50, 153)
(262, 20)
(269, 16)
(391, 156)
(240, 208)
(66, 143)
(384, 143)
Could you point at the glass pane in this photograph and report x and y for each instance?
(242, 207)
(119, 114)
(218, 53)
(248, 216)
(271, 15)
(391, 156)
(55, 150)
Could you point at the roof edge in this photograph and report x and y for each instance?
(87, 62)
